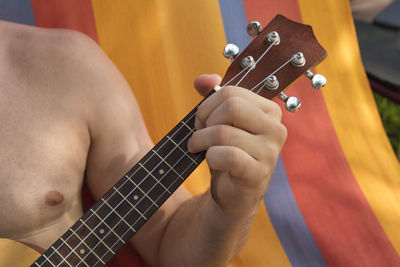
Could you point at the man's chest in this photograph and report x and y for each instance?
(40, 153)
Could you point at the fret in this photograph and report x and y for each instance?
(142, 200)
(61, 257)
(141, 165)
(139, 177)
(122, 219)
(124, 197)
(187, 126)
(99, 238)
(169, 166)
(60, 248)
(87, 246)
(109, 227)
(48, 260)
(136, 197)
(119, 223)
(120, 207)
(72, 255)
(181, 149)
(179, 162)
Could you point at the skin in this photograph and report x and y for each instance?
(367, 10)
(64, 109)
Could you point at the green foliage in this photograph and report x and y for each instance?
(390, 114)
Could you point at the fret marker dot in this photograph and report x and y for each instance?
(102, 231)
(161, 171)
(82, 251)
(135, 197)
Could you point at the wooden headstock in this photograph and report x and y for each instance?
(277, 56)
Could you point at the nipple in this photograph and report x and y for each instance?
(53, 198)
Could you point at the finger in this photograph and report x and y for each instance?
(237, 163)
(225, 135)
(212, 102)
(206, 82)
(244, 115)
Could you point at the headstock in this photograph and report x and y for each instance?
(281, 52)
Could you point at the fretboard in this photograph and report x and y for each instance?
(106, 227)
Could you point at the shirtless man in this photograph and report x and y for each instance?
(63, 113)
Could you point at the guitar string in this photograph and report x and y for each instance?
(144, 213)
(265, 52)
(250, 69)
(255, 63)
(144, 196)
(283, 65)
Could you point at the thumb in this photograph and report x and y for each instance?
(206, 82)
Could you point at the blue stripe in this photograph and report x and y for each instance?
(19, 11)
(235, 22)
(289, 224)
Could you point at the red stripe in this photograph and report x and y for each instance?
(336, 211)
(78, 15)
(69, 14)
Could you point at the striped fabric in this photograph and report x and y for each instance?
(334, 197)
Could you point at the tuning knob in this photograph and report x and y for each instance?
(231, 51)
(292, 103)
(317, 80)
(254, 28)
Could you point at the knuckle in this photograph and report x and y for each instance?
(222, 134)
(278, 130)
(232, 106)
(228, 92)
(234, 157)
(276, 110)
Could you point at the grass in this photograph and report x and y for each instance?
(390, 114)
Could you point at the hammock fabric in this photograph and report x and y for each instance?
(334, 198)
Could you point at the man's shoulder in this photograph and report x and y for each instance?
(62, 64)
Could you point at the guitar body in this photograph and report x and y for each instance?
(16, 254)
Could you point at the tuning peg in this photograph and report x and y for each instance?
(253, 28)
(292, 103)
(271, 83)
(231, 51)
(298, 60)
(273, 38)
(317, 80)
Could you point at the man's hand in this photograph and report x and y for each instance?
(243, 135)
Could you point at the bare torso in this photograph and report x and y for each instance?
(67, 116)
(44, 143)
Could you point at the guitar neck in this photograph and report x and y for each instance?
(106, 227)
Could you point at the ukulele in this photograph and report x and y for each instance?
(279, 54)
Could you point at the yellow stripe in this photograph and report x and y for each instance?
(353, 111)
(160, 47)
